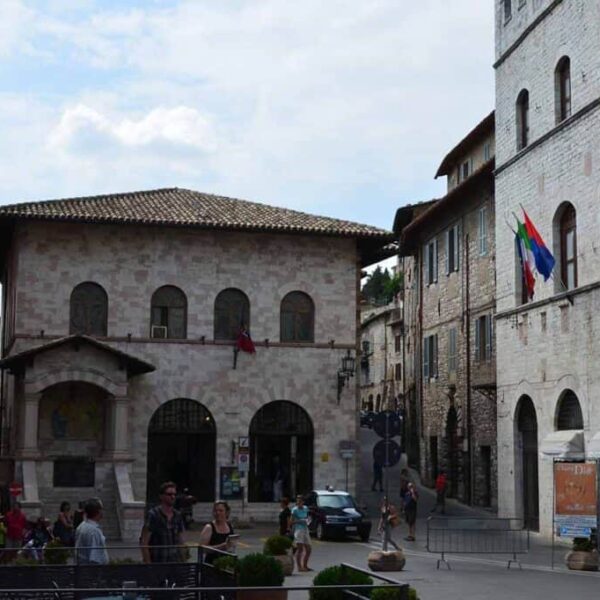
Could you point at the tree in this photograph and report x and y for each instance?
(381, 287)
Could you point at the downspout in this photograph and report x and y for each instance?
(419, 339)
(468, 372)
(357, 370)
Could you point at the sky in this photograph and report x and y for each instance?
(343, 108)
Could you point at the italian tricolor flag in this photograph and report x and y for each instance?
(526, 257)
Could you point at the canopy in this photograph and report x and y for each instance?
(594, 446)
(567, 444)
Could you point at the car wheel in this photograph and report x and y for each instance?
(320, 531)
(364, 537)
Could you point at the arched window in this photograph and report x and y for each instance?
(568, 247)
(169, 313)
(88, 310)
(522, 119)
(568, 413)
(562, 87)
(232, 312)
(297, 318)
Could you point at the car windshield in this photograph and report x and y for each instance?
(335, 501)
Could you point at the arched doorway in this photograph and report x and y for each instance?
(452, 452)
(281, 452)
(181, 448)
(527, 445)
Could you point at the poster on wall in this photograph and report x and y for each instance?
(231, 487)
(575, 493)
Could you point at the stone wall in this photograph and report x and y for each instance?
(132, 262)
(547, 346)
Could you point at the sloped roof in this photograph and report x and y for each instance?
(182, 207)
(134, 365)
(478, 133)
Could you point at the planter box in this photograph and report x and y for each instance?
(582, 561)
(262, 595)
(287, 563)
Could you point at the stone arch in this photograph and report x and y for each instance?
(281, 451)
(568, 414)
(526, 461)
(48, 379)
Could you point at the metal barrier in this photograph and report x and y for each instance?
(456, 535)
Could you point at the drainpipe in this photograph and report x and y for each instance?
(469, 490)
(419, 344)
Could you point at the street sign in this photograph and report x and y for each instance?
(15, 489)
(387, 424)
(244, 442)
(243, 460)
(387, 453)
(573, 532)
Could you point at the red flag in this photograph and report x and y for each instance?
(244, 341)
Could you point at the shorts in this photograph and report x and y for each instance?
(410, 514)
(301, 536)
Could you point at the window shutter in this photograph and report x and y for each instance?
(426, 358)
(448, 232)
(435, 355)
(456, 247)
(426, 264)
(477, 338)
(488, 337)
(435, 260)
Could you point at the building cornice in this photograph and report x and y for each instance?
(549, 135)
(562, 297)
(533, 25)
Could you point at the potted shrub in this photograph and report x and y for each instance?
(225, 563)
(392, 594)
(338, 576)
(260, 570)
(583, 556)
(56, 553)
(278, 547)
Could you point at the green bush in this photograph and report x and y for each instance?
(392, 594)
(338, 576)
(124, 561)
(56, 553)
(258, 570)
(226, 563)
(24, 561)
(582, 545)
(277, 545)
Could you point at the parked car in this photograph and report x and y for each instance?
(366, 418)
(335, 514)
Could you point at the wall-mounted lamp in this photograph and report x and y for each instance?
(345, 373)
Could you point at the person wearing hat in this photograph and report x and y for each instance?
(90, 542)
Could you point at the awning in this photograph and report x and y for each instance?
(593, 449)
(568, 444)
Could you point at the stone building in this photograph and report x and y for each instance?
(548, 162)
(450, 291)
(122, 315)
(381, 359)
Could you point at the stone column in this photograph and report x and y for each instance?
(117, 441)
(30, 425)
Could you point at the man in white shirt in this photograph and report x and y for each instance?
(90, 542)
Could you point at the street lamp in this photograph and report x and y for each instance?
(344, 374)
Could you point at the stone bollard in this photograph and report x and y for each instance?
(378, 560)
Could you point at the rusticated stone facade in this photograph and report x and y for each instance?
(44, 263)
(449, 261)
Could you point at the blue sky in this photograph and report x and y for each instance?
(336, 107)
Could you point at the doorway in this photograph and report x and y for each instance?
(281, 452)
(181, 448)
(528, 444)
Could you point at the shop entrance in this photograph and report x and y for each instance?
(181, 448)
(281, 452)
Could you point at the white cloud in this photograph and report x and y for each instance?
(179, 126)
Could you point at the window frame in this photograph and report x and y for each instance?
(244, 316)
(522, 119)
(563, 90)
(482, 233)
(453, 249)
(430, 357)
(295, 338)
(507, 6)
(430, 262)
(483, 338)
(568, 225)
(166, 313)
(101, 298)
(452, 350)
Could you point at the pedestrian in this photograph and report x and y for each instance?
(377, 476)
(388, 520)
(63, 529)
(441, 483)
(410, 510)
(219, 533)
(16, 523)
(162, 535)
(284, 517)
(404, 480)
(37, 538)
(90, 542)
(78, 515)
(299, 524)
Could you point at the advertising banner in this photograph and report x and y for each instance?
(575, 492)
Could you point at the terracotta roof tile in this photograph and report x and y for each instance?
(181, 207)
